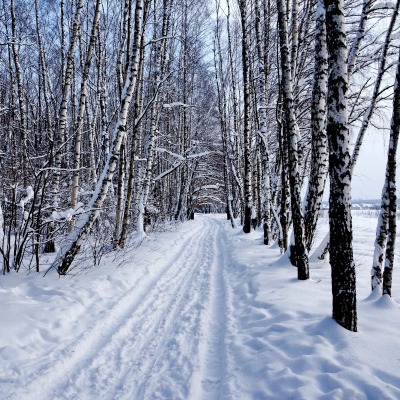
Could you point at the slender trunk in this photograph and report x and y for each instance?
(248, 206)
(221, 90)
(298, 254)
(355, 47)
(237, 161)
(120, 195)
(62, 118)
(319, 139)
(386, 231)
(263, 133)
(44, 74)
(133, 152)
(160, 52)
(76, 238)
(82, 104)
(294, 39)
(21, 103)
(102, 100)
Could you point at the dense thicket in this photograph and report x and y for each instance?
(108, 123)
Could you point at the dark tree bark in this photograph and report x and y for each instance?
(340, 223)
(246, 130)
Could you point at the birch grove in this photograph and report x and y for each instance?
(117, 118)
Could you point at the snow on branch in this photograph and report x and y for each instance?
(203, 154)
(161, 39)
(29, 196)
(387, 5)
(161, 150)
(179, 160)
(177, 104)
(168, 171)
(216, 187)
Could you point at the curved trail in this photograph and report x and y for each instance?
(163, 339)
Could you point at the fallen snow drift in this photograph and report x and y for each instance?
(200, 312)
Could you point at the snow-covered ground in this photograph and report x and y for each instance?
(199, 312)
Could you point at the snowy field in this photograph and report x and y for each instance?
(199, 312)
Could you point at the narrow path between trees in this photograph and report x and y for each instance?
(200, 311)
(172, 324)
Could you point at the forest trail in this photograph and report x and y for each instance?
(200, 311)
(172, 324)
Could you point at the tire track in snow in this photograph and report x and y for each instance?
(56, 379)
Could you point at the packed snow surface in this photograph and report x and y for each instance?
(200, 311)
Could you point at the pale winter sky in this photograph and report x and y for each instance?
(369, 172)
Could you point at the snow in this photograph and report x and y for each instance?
(385, 5)
(198, 311)
(176, 104)
(29, 196)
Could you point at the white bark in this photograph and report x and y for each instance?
(82, 104)
(75, 239)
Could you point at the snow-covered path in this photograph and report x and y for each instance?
(199, 312)
(165, 338)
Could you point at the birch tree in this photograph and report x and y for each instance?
(160, 51)
(341, 235)
(386, 229)
(82, 104)
(319, 140)
(261, 89)
(298, 254)
(21, 102)
(248, 207)
(76, 238)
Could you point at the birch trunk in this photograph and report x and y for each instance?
(355, 47)
(237, 161)
(21, 103)
(62, 118)
(120, 194)
(160, 60)
(341, 236)
(248, 199)
(44, 73)
(82, 104)
(386, 230)
(76, 238)
(319, 139)
(263, 133)
(221, 90)
(133, 150)
(298, 254)
(102, 99)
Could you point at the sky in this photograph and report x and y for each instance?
(369, 172)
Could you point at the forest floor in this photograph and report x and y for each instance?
(200, 311)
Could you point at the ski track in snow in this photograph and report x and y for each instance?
(209, 382)
(165, 321)
(208, 313)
